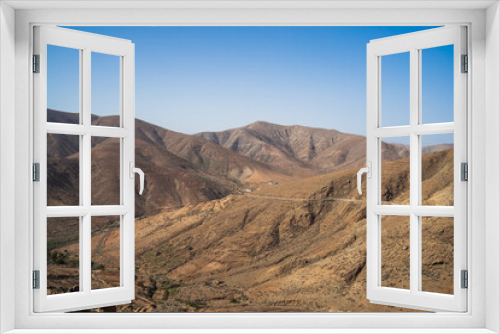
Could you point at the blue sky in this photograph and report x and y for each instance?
(193, 79)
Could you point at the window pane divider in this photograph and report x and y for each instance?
(66, 211)
(406, 210)
(396, 131)
(392, 210)
(81, 130)
(78, 211)
(421, 129)
(108, 210)
(66, 129)
(434, 211)
(433, 129)
(107, 131)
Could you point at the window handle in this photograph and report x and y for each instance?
(134, 170)
(368, 171)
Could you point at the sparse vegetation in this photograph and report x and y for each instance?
(63, 258)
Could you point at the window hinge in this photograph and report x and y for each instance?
(464, 171)
(465, 64)
(36, 63)
(465, 279)
(36, 172)
(36, 279)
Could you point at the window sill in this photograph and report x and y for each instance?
(251, 331)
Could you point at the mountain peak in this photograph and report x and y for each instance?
(279, 126)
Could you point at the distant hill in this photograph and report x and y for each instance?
(435, 148)
(298, 150)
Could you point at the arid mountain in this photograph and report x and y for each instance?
(184, 169)
(298, 150)
(207, 156)
(202, 154)
(171, 181)
(434, 148)
(297, 246)
(180, 169)
(57, 116)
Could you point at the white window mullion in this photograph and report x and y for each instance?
(417, 119)
(123, 175)
(82, 103)
(86, 236)
(40, 156)
(414, 171)
(127, 226)
(86, 262)
(372, 187)
(460, 156)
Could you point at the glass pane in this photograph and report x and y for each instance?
(105, 89)
(63, 170)
(437, 84)
(105, 252)
(105, 171)
(395, 245)
(63, 85)
(437, 169)
(395, 171)
(437, 254)
(395, 89)
(63, 248)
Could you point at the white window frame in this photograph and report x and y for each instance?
(414, 43)
(86, 44)
(483, 101)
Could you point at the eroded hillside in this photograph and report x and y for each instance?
(297, 246)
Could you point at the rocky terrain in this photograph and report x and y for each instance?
(292, 247)
(263, 218)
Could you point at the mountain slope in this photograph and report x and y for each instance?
(207, 156)
(180, 169)
(299, 150)
(260, 252)
(171, 181)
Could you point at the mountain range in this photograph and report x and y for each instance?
(188, 169)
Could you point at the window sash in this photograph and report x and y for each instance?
(413, 43)
(86, 298)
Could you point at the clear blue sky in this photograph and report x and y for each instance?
(193, 79)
